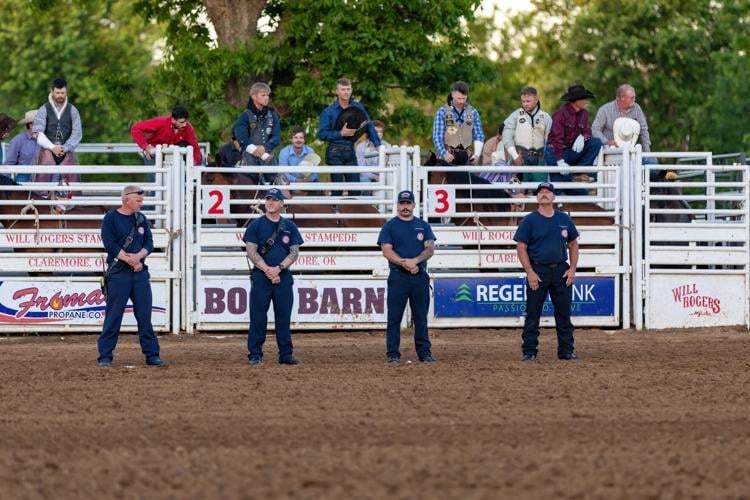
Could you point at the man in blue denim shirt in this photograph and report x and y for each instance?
(340, 150)
(23, 149)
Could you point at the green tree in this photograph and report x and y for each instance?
(686, 59)
(395, 52)
(102, 48)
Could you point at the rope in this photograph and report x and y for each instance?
(480, 226)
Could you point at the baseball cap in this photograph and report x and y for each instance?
(275, 193)
(545, 185)
(406, 196)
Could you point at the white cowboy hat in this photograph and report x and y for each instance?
(28, 118)
(310, 160)
(626, 131)
(497, 157)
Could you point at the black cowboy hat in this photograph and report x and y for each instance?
(577, 92)
(355, 118)
(6, 124)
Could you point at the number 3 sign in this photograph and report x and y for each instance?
(215, 201)
(441, 200)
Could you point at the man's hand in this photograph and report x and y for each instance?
(569, 276)
(518, 160)
(149, 151)
(259, 150)
(58, 150)
(272, 272)
(347, 132)
(533, 279)
(578, 144)
(411, 265)
(138, 267)
(449, 157)
(563, 164)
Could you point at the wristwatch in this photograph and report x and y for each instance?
(281, 267)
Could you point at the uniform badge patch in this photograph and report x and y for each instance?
(420, 236)
(522, 120)
(253, 125)
(285, 239)
(564, 233)
(141, 230)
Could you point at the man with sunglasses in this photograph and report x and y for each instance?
(272, 244)
(126, 235)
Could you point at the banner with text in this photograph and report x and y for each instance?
(506, 297)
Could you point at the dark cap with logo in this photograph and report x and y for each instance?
(406, 196)
(275, 193)
(545, 185)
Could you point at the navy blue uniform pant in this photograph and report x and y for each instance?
(339, 155)
(586, 157)
(262, 293)
(414, 288)
(552, 282)
(124, 284)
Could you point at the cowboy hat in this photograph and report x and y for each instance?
(6, 124)
(498, 158)
(28, 117)
(355, 118)
(310, 160)
(577, 92)
(626, 131)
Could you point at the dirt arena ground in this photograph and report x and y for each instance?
(640, 415)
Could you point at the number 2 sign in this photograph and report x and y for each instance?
(215, 202)
(442, 200)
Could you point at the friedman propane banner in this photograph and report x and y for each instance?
(67, 303)
(506, 297)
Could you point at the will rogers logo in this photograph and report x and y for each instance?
(57, 302)
(689, 297)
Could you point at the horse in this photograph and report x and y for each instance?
(294, 210)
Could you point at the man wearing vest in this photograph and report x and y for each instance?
(457, 130)
(258, 130)
(57, 127)
(525, 134)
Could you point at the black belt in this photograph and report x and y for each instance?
(534, 152)
(550, 265)
(402, 270)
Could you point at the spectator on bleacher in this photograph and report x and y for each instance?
(570, 141)
(457, 130)
(368, 146)
(58, 131)
(525, 134)
(293, 154)
(493, 144)
(229, 154)
(170, 130)
(624, 106)
(258, 130)
(7, 124)
(341, 124)
(23, 148)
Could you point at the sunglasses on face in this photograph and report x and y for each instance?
(135, 192)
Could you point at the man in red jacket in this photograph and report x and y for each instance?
(166, 130)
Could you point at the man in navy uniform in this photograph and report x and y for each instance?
(407, 242)
(543, 239)
(272, 246)
(126, 235)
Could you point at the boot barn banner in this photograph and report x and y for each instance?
(68, 303)
(506, 297)
(315, 301)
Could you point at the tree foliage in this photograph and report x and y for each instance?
(101, 47)
(686, 58)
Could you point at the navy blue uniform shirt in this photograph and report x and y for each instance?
(407, 238)
(115, 230)
(262, 228)
(547, 237)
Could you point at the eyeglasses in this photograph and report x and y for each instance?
(136, 192)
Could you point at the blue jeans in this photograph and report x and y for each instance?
(125, 284)
(530, 160)
(551, 281)
(261, 295)
(414, 288)
(338, 155)
(587, 156)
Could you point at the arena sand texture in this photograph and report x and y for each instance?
(640, 415)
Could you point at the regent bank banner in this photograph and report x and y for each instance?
(506, 297)
(315, 301)
(67, 303)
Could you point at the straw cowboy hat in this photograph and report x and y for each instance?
(28, 117)
(310, 160)
(626, 131)
(6, 124)
(577, 92)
